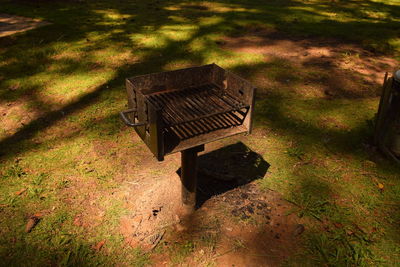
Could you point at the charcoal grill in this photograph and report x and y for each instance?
(181, 110)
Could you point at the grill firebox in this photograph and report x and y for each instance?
(176, 110)
(180, 111)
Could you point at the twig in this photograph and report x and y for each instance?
(222, 254)
(294, 203)
(137, 227)
(263, 255)
(158, 239)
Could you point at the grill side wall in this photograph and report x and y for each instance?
(237, 87)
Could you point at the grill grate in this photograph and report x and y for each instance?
(198, 110)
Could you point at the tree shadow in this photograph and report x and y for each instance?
(120, 34)
(240, 164)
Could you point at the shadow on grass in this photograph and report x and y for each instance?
(149, 18)
(90, 26)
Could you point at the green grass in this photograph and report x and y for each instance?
(181, 251)
(62, 86)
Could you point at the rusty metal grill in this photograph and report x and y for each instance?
(198, 110)
(180, 111)
(176, 110)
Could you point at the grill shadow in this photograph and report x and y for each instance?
(227, 168)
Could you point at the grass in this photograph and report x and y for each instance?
(182, 251)
(62, 86)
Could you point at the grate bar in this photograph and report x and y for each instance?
(181, 107)
(198, 110)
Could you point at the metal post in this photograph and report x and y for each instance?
(189, 177)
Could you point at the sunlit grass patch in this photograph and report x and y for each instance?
(177, 32)
(66, 152)
(150, 41)
(72, 87)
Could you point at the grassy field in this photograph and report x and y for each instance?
(64, 151)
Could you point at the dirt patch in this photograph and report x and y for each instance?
(10, 24)
(153, 208)
(249, 228)
(262, 232)
(316, 67)
(15, 115)
(238, 225)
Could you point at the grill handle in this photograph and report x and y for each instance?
(127, 121)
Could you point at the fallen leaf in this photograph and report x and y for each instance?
(349, 232)
(78, 221)
(338, 225)
(99, 245)
(20, 192)
(32, 222)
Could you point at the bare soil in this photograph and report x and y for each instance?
(10, 24)
(249, 227)
(322, 67)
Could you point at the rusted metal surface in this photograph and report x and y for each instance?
(387, 125)
(176, 110)
(189, 165)
(194, 103)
